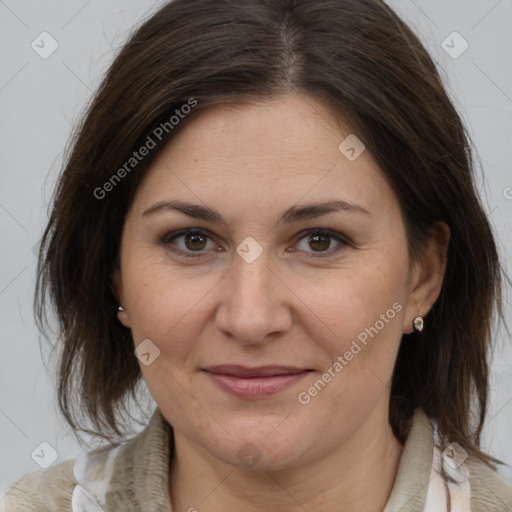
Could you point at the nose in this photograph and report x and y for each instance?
(255, 303)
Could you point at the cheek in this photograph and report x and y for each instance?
(163, 297)
(357, 316)
(167, 307)
(353, 300)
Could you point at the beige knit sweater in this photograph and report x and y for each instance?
(133, 477)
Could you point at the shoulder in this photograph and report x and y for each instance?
(117, 476)
(489, 491)
(42, 491)
(65, 486)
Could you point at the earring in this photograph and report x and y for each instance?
(120, 309)
(418, 323)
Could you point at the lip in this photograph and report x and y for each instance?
(256, 382)
(237, 370)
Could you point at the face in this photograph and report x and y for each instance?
(318, 315)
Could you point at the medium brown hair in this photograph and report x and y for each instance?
(359, 58)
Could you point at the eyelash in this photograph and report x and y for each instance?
(170, 237)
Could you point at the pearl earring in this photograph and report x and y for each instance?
(418, 323)
(120, 309)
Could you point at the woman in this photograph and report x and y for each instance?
(269, 214)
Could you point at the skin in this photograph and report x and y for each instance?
(251, 162)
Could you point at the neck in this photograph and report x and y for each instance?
(359, 475)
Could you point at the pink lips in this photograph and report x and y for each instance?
(256, 382)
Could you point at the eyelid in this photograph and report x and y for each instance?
(341, 239)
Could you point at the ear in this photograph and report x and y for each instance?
(427, 275)
(123, 316)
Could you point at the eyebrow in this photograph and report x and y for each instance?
(293, 214)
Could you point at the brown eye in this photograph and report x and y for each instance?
(195, 241)
(192, 241)
(320, 241)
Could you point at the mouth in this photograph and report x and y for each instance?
(257, 382)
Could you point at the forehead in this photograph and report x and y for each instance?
(277, 151)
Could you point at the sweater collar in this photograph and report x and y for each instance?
(413, 476)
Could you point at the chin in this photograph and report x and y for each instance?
(262, 451)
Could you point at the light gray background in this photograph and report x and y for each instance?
(40, 100)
